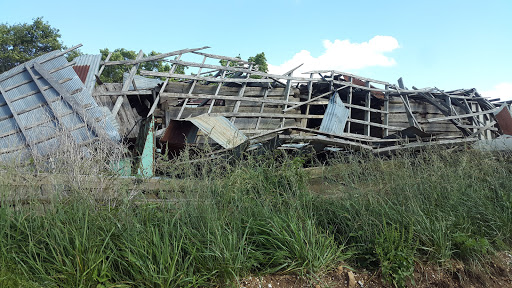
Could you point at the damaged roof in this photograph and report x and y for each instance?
(44, 104)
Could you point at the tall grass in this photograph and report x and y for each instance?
(458, 205)
(255, 215)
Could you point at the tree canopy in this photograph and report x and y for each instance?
(260, 60)
(22, 42)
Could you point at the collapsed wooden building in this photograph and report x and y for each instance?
(228, 100)
(325, 108)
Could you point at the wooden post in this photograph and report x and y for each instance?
(350, 105)
(367, 115)
(304, 123)
(222, 75)
(126, 85)
(241, 94)
(386, 109)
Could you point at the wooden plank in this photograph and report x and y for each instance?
(219, 86)
(152, 58)
(329, 141)
(157, 100)
(348, 125)
(120, 93)
(184, 87)
(374, 124)
(481, 129)
(463, 115)
(126, 85)
(268, 115)
(262, 107)
(417, 145)
(241, 94)
(367, 115)
(103, 66)
(347, 74)
(209, 79)
(313, 99)
(304, 122)
(233, 59)
(245, 70)
(385, 132)
(287, 96)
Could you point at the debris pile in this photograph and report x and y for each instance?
(228, 102)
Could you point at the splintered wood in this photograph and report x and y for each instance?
(369, 114)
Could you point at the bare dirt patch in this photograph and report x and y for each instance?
(494, 273)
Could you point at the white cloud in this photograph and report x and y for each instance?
(502, 91)
(342, 55)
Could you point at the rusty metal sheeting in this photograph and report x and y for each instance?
(86, 66)
(335, 116)
(504, 119)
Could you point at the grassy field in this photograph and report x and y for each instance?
(259, 216)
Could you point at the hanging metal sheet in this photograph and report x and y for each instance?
(220, 129)
(335, 116)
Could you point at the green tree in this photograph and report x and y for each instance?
(261, 61)
(114, 73)
(22, 42)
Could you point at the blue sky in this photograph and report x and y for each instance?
(446, 44)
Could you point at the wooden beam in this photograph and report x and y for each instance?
(189, 91)
(313, 99)
(103, 66)
(268, 115)
(152, 58)
(241, 94)
(265, 95)
(119, 93)
(232, 59)
(219, 86)
(209, 79)
(347, 74)
(367, 114)
(463, 115)
(155, 103)
(126, 85)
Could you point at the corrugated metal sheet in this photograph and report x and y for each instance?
(220, 129)
(39, 119)
(81, 71)
(504, 119)
(142, 83)
(127, 118)
(87, 74)
(335, 116)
